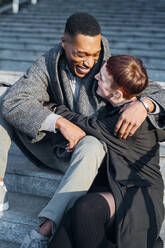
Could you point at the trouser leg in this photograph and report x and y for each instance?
(6, 134)
(84, 164)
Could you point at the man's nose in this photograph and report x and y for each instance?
(89, 62)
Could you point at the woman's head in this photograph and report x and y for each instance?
(122, 77)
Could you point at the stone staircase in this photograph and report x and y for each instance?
(133, 27)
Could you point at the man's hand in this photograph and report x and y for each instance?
(133, 115)
(70, 131)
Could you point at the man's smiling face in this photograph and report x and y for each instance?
(82, 52)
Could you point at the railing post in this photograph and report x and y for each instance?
(33, 1)
(15, 6)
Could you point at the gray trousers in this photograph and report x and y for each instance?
(79, 171)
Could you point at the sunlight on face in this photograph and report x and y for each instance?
(82, 52)
(105, 82)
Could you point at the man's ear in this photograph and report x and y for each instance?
(63, 42)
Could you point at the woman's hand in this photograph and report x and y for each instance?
(70, 131)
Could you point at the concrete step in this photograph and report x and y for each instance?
(58, 27)
(155, 74)
(57, 31)
(28, 40)
(14, 65)
(25, 46)
(150, 47)
(10, 76)
(19, 54)
(24, 177)
(5, 23)
(5, 244)
(31, 55)
(21, 217)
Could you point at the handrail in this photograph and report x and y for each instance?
(16, 3)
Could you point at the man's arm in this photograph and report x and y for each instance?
(23, 104)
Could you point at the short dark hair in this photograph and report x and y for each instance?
(82, 23)
(128, 73)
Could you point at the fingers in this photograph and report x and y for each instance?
(124, 128)
(118, 125)
(130, 119)
(70, 146)
(127, 129)
(133, 130)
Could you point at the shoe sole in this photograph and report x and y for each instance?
(4, 207)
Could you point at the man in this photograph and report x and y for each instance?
(65, 75)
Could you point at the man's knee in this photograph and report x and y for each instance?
(88, 154)
(92, 146)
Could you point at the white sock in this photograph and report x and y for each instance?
(1, 183)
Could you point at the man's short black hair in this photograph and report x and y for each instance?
(82, 23)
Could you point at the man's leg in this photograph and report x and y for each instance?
(83, 167)
(84, 164)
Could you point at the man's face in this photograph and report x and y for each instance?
(82, 52)
(105, 83)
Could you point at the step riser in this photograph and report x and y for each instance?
(21, 217)
(30, 54)
(13, 232)
(5, 244)
(31, 185)
(149, 49)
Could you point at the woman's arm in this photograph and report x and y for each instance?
(91, 125)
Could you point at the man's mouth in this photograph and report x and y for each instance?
(82, 69)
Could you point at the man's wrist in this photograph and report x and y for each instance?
(147, 103)
(59, 122)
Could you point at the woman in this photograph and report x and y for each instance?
(124, 207)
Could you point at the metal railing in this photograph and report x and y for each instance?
(16, 4)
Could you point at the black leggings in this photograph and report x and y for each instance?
(84, 226)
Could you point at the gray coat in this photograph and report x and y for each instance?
(46, 81)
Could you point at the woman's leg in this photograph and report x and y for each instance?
(63, 235)
(85, 224)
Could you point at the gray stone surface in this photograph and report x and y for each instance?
(21, 217)
(5, 244)
(24, 177)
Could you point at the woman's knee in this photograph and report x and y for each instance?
(91, 206)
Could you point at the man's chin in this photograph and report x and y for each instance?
(80, 73)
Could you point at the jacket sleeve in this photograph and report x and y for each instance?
(155, 92)
(22, 105)
(91, 125)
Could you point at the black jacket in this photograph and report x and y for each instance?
(132, 169)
